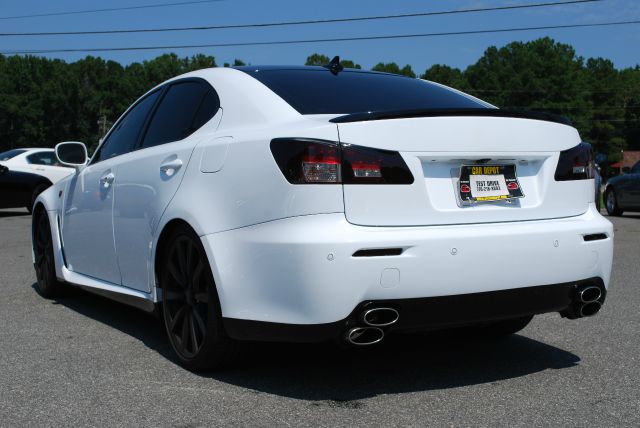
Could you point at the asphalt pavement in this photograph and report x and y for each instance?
(83, 360)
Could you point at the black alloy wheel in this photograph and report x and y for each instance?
(48, 285)
(191, 309)
(611, 203)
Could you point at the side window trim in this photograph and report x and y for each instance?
(136, 145)
(161, 98)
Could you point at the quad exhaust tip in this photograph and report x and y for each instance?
(380, 317)
(364, 335)
(590, 309)
(590, 294)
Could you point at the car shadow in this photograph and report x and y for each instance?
(338, 376)
(12, 213)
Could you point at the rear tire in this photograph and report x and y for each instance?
(48, 285)
(611, 203)
(190, 308)
(506, 327)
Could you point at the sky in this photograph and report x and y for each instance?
(618, 43)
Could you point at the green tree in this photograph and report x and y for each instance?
(606, 107)
(630, 87)
(320, 60)
(392, 67)
(446, 75)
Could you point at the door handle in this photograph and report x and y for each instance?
(107, 179)
(170, 167)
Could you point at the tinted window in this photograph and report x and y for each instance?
(10, 154)
(636, 168)
(185, 107)
(125, 135)
(318, 91)
(208, 108)
(43, 158)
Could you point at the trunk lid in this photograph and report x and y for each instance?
(435, 148)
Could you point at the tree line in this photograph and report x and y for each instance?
(44, 101)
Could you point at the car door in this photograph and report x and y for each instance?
(16, 187)
(87, 218)
(149, 177)
(633, 186)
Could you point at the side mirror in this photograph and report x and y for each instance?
(72, 153)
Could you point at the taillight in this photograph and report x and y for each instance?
(307, 161)
(576, 163)
(364, 165)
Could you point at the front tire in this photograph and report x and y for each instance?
(191, 309)
(611, 202)
(48, 285)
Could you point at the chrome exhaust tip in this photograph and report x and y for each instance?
(380, 317)
(590, 294)
(362, 336)
(590, 309)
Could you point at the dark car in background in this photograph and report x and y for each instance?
(20, 189)
(622, 192)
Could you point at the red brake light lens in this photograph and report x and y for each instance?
(576, 163)
(306, 161)
(365, 165)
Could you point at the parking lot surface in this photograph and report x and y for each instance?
(83, 360)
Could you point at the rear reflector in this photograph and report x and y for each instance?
(576, 163)
(307, 161)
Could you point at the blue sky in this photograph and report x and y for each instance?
(620, 44)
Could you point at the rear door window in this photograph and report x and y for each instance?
(184, 108)
(43, 158)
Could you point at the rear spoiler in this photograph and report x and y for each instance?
(467, 112)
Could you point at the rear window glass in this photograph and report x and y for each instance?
(4, 156)
(318, 91)
(43, 158)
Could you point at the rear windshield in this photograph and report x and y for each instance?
(4, 156)
(318, 91)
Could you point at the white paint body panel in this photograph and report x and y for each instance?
(434, 149)
(283, 253)
(281, 272)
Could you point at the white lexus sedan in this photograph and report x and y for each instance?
(40, 161)
(310, 204)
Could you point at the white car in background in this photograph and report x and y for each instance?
(313, 204)
(41, 161)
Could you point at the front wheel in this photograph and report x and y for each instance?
(48, 285)
(612, 206)
(190, 309)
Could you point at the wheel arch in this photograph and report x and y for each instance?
(161, 246)
(161, 243)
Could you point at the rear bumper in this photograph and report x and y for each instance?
(430, 313)
(301, 270)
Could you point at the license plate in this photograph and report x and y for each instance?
(481, 183)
